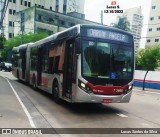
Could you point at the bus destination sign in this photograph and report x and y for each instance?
(108, 35)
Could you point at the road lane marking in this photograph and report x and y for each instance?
(122, 115)
(146, 91)
(23, 106)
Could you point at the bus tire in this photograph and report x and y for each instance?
(34, 86)
(55, 92)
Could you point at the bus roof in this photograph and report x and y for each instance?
(23, 46)
(74, 31)
(70, 32)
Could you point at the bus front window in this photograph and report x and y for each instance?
(122, 61)
(96, 59)
(106, 60)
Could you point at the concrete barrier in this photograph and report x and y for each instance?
(152, 80)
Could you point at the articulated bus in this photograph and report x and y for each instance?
(85, 63)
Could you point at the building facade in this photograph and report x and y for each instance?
(59, 6)
(135, 18)
(153, 31)
(37, 19)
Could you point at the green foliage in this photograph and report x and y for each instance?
(149, 58)
(122, 23)
(2, 41)
(22, 39)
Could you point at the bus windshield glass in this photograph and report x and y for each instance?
(106, 60)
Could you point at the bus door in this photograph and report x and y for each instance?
(68, 68)
(23, 65)
(39, 66)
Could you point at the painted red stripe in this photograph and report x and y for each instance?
(152, 81)
(107, 90)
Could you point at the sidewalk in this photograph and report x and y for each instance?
(146, 89)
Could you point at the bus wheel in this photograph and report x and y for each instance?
(56, 92)
(34, 83)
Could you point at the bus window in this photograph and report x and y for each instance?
(45, 60)
(96, 59)
(33, 55)
(53, 64)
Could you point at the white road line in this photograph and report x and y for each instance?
(23, 106)
(122, 115)
(147, 91)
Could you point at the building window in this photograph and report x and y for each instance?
(150, 29)
(72, 24)
(50, 7)
(158, 17)
(10, 11)
(14, 1)
(10, 35)
(153, 7)
(10, 0)
(14, 11)
(21, 2)
(152, 18)
(25, 3)
(39, 17)
(57, 5)
(29, 4)
(158, 29)
(64, 9)
(42, 7)
(62, 22)
(156, 40)
(51, 20)
(148, 40)
(13, 24)
(10, 23)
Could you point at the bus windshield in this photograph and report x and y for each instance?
(106, 60)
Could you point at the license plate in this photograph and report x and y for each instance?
(107, 101)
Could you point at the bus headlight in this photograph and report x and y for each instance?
(84, 87)
(127, 90)
(130, 87)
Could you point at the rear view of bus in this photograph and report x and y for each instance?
(105, 65)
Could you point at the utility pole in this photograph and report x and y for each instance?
(101, 16)
(22, 24)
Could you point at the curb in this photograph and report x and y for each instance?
(146, 89)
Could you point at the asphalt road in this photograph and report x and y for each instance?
(21, 106)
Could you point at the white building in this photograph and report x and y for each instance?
(62, 6)
(153, 32)
(135, 18)
(37, 19)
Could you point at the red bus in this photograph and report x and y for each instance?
(85, 63)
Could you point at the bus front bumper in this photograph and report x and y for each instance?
(82, 96)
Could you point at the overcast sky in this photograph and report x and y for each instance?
(93, 9)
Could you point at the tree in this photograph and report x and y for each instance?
(148, 59)
(122, 23)
(26, 38)
(21, 39)
(2, 41)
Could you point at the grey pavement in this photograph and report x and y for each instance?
(146, 89)
(142, 111)
(11, 112)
